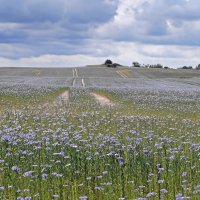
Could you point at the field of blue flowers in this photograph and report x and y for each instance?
(145, 146)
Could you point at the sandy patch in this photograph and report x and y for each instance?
(102, 100)
(123, 73)
(64, 96)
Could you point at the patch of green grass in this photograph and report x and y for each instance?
(17, 101)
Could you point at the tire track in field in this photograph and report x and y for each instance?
(60, 99)
(75, 76)
(73, 82)
(102, 100)
(77, 80)
(122, 74)
(64, 96)
(83, 82)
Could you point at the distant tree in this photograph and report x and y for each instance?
(186, 67)
(147, 66)
(136, 64)
(116, 65)
(108, 62)
(156, 66)
(198, 67)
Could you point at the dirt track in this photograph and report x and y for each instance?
(102, 100)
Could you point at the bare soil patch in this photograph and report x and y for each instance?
(124, 73)
(102, 100)
(64, 96)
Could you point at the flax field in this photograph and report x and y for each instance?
(145, 146)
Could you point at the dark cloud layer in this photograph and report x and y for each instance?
(37, 11)
(50, 27)
(28, 11)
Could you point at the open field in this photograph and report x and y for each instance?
(100, 71)
(103, 77)
(59, 141)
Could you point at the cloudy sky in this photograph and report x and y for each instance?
(61, 33)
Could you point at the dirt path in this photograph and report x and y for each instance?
(83, 82)
(62, 98)
(75, 73)
(102, 100)
(73, 82)
(120, 72)
(77, 81)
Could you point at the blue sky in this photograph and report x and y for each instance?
(62, 33)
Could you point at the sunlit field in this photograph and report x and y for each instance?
(146, 145)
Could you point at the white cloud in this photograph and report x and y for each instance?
(153, 21)
(120, 52)
(51, 61)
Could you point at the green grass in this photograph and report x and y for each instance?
(9, 101)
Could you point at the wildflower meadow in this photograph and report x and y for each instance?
(146, 145)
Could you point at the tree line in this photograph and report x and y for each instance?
(109, 63)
